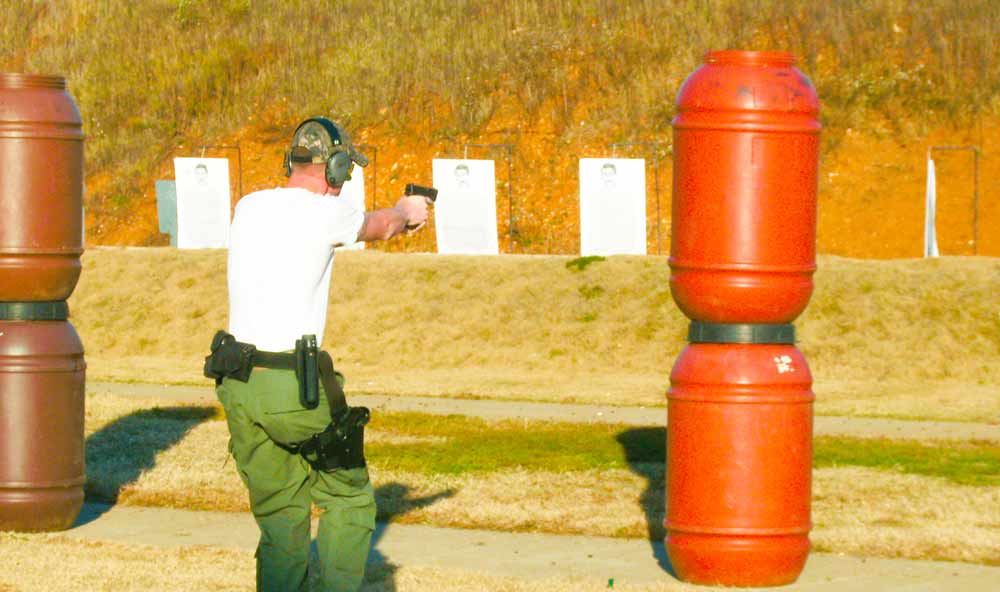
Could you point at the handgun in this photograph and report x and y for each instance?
(428, 192)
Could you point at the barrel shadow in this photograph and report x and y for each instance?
(121, 451)
(646, 453)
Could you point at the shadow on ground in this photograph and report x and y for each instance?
(121, 451)
(646, 453)
(394, 501)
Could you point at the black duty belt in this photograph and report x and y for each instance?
(233, 359)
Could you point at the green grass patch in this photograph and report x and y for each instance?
(590, 292)
(581, 263)
(965, 463)
(476, 446)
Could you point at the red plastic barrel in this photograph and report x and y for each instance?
(746, 145)
(41, 187)
(41, 425)
(739, 464)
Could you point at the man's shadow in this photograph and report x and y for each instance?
(646, 453)
(118, 453)
(393, 501)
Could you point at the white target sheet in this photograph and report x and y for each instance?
(612, 206)
(203, 203)
(354, 192)
(465, 213)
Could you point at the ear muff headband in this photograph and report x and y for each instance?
(340, 165)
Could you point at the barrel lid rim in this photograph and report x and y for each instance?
(24, 80)
(750, 58)
(747, 333)
(34, 311)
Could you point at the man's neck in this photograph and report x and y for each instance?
(309, 183)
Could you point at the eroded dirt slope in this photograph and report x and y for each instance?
(871, 186)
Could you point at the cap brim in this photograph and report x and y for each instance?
(359, 158)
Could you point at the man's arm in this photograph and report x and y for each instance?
(410, 214)
(381, 225)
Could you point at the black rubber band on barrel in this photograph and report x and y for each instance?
(700, 332)
(34, 311)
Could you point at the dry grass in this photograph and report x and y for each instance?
(453, 580)
(865, 512)
(856, 510)
(907, 338)
(56, 563)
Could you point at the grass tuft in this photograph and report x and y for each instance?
(581, 263)
(590, 292)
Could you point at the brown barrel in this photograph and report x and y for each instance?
(739, 464)
(41, 189)
(41, 425)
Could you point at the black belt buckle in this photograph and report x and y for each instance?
(307, 370)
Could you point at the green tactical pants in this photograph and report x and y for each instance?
(262, 414)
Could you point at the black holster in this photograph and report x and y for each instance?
(341, 444)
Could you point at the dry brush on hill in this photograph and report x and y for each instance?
(914, 338)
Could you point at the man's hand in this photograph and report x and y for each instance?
(408, 215)
(414, 211)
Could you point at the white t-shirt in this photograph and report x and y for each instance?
(280, 260)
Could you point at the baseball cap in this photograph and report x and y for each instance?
(317, 139)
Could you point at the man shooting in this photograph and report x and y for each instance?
(294, 439)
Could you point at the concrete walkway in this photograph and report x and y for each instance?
(526, 556)
(640, 416)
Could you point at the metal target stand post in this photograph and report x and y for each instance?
(366, 148)
(975, 191)
(656, 180)
(510, 196)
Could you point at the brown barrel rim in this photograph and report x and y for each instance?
(736, 57)
(18, 80)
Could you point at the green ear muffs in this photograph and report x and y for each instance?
(317, 140)
(339, 168)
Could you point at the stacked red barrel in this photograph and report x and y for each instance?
(41, 357)
(743, 252)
